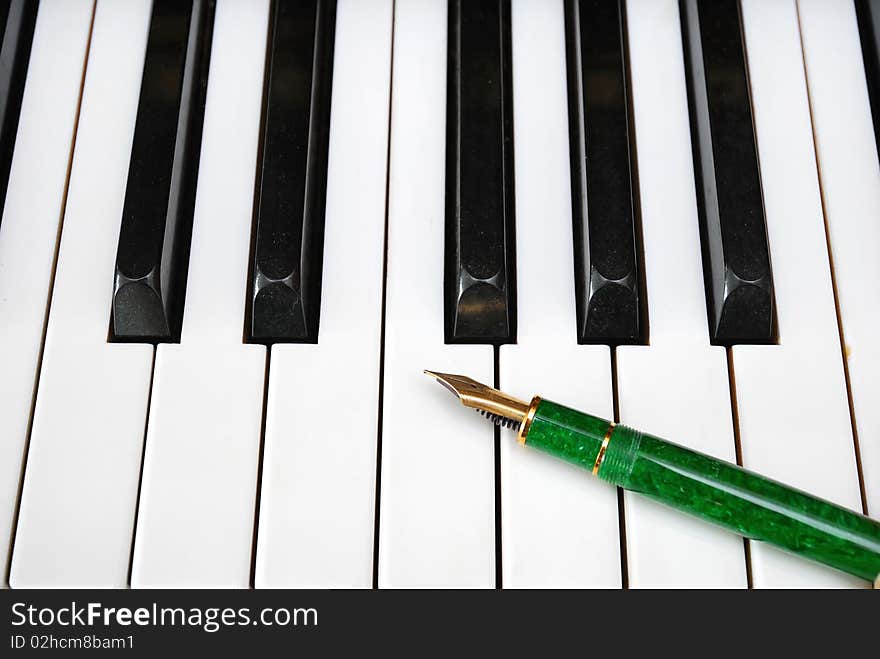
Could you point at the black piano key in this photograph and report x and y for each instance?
(479, 279)
(736, 255)
(291, 186)
(609, 292)
(868, 14)
(17, 21)
(154, 240)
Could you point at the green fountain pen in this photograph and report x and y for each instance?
(717, 491)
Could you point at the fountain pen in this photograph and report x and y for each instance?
(728, 495)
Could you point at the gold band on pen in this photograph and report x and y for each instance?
(527, 420)
(603, 448)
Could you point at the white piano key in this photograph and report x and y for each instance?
(195, 518)
(679, 375)
(791, 398)
(317, 505)
(198, 492)
(559, 524)
(81, 477)
(29, 230)
(850, 176)
(437, 503)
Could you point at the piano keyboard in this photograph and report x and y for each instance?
(234, 232)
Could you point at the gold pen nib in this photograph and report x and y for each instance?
(496, 405)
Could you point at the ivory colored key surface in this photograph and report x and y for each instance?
(850, 178)
(317, 505)
(437, 502)
(680, 375)
(791, 398)
(196, 510)
(81, 478)
(29, 230)
(549, 509)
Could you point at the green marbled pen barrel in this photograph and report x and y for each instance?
(726, 494)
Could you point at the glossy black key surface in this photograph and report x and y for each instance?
(736, 256)
(604, 187)
(868, 13)
(291, 187)
(154, 239)
(17, 21)
(479, 280)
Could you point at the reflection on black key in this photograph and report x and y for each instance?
(291, 188)
(480, 300)
(736, 256)
(17, 20)
(154, 240)
(607, 239)
(868, 13)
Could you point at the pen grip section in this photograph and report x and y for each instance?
(717, 491)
